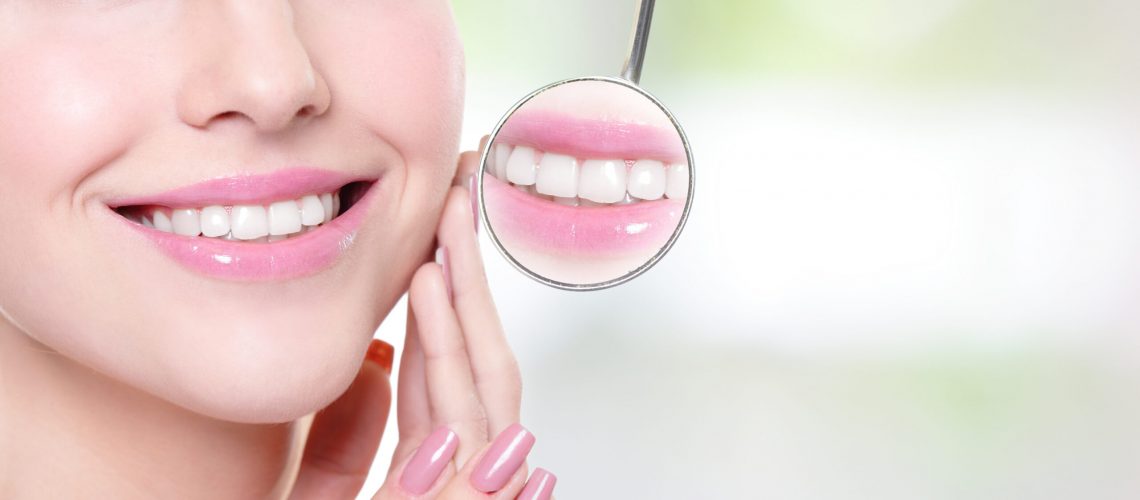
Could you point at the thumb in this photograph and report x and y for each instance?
(345, 435)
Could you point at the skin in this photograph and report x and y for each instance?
(125, 375)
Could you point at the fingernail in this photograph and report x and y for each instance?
(381, 353)
(540, 485)
(444, 260)
(474, 201)
(504, 457)
(429, 461)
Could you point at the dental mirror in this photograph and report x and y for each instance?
(587, 182)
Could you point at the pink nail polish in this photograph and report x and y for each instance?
(429, 461)
(540, 485)
(504, 457)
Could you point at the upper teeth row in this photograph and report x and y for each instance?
(596, 180)
(272, 222)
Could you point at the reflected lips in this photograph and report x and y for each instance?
(579, 231)
(295, 257)
(591, 138)
(521, 218)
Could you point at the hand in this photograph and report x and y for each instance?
(459, 387)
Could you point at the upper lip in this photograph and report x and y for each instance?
(591, 138)
(248, 189)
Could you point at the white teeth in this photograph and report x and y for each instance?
(647, 180)
(592, 182)
(677, 186)
(254, 223)
(327, 206)
(186, 222)
(602, 181)
(249, 222)
(499, 165)
(312, 210)
(284, 218)
(557, 176)
(162, 222)
(521, 166)
(215, 221)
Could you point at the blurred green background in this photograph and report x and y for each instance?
(911, 269)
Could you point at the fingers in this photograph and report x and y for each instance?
(498, 471)
(469, 165)
(495, 370)
(540, 486)
(413, 413)
(458, 374)
(425, 472)
(451, 390)
(345, 435)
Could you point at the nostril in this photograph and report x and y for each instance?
(228, 115)
(307, 111)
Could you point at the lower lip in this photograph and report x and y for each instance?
(519, 218)
(292, 258)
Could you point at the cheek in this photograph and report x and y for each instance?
(65, 115)
(401, 70)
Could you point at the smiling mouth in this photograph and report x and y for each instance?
(268, 222)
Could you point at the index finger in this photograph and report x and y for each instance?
(496, 371)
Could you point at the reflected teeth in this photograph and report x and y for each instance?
(677, 185)
(521, 167)
(571, 181)
(647, 180)
(499, 163)
(557, 175)
(603, 181)
(255, 223)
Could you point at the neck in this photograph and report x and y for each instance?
(67, 431)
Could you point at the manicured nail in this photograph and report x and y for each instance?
(429, 461)
(444, 260)
(540, 485)
(504, 457)
(381, 353)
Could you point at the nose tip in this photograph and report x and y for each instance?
(260, 73)
(275, 99)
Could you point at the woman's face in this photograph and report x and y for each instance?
(209, 116)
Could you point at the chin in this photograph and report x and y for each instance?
(267, 372)
(296, 355)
